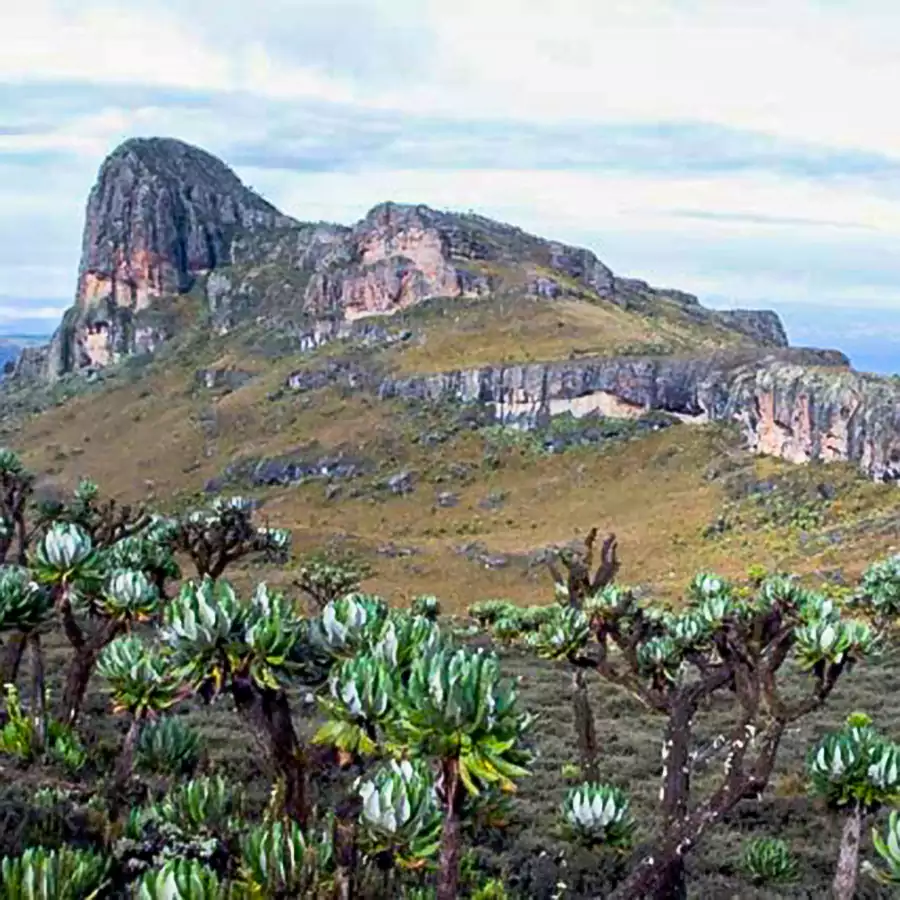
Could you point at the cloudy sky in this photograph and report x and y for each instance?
(747, 152)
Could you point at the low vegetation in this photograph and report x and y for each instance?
(168, 733)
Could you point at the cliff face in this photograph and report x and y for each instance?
(161, 213)
(799, 405)
(164, 217)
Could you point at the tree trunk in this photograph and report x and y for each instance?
(676, 791)
(125, 762)
(844, 885)
(77, 679)
(345, 849)
(269, 712)
(38, 698)
(451, 836)
(584, 727)
(13, 651)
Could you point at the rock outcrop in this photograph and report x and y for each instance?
(800, 405)
(165, 218)
(160, 214)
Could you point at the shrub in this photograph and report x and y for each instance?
(769, 860)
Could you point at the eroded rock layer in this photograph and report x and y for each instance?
(797, 404)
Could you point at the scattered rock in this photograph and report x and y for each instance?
(402, 483)
(494, 501)
(447, 499)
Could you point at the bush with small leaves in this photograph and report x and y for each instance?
(325, 580)
(486, 612)
(168, 746)
(17, 737)
(64, 874)
(599, 814)
(879, 587)
(769, 861)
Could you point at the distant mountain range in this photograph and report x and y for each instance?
(870, 337)
(11, 345)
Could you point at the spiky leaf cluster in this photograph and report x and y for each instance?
(400, 813)
(64, 553)
(277, 860)
(426, 605)
(563, 636)
(205, 804)
(352, 623)
(887, 845)
(143, 682)
(456, 706)
(599, 814)
(769, 861)
(879, 587)
(856, 764)
(24, 604)
(361, 697)
(214, 635)
(63, 874)
(127, 595)
(180, 879)
(168, 746)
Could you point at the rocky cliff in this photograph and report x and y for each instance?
(164, 218)
(796, 404)
(160, 214)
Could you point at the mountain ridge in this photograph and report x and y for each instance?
(165, 217)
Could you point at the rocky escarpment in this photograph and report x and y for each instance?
(800, 405)
(164, 218)
(161, 213)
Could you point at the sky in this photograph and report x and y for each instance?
(745, 152)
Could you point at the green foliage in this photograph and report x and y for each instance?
(277, 860)
(24, 604)
(567, 632)
(64, 553)
(352, 623)
(201, 804)
(402, 638)
(360, 697)
(142, 680)
(769, 861)
(127, 595)
(400, 814)
(180, 879)
(887, 846)
(486, 612)
(880, 586)
(426, 605)
(599, 814)
(18, 738)
(325, 579)
(168, 746)
(64, 874)
(455, 706)
(856, 765)
(213, 635)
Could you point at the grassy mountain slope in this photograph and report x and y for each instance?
(681, 498)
